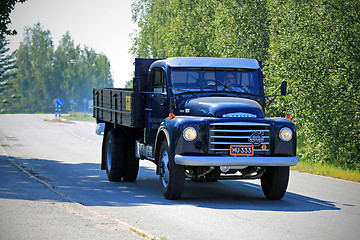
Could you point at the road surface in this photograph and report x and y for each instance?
(51, 186)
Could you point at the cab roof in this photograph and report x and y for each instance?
(208, 62)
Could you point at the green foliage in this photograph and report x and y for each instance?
(34, 60)
(200, 28)
(327, 169)
(44, 74)
(6, 6)
(78, 116)
(241, 29)
(6, 72)
(313, 45)
(77, 71)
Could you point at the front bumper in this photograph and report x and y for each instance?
(214, 161)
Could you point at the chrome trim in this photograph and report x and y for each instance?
(239, 131)
(239, 115)
(225, 149)
(138, 146)
(239, 124)
(215, 161)
(235, 136)
(236, 143)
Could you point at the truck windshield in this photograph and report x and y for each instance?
(234, 80)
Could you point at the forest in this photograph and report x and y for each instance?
(313, 45)
(37, 73)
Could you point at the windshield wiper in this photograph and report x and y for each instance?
(227, 87)
(182, 91)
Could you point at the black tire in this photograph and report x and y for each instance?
(172, 176)
(274, 182)
(132, 162)
(115, 155)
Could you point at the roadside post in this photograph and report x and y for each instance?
(90, 105)
(72, 101)
(85, 100)
(59, 103)
(55, 105)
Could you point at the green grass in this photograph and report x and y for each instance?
(79, 116)
(138, 233)
(324, 169)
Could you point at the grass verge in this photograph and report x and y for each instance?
(138, 233)
(326, 169)
(79, 116)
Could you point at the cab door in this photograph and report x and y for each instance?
(157, 104)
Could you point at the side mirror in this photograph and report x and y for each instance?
(283, 92)
(283, 88)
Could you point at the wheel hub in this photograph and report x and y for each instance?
(108, 156)
(164, 169)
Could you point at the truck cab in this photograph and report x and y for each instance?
(204, 119)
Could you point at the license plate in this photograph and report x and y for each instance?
(241, 150)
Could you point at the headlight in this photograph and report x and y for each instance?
(189, 133)
(285, 134)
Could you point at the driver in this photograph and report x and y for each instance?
(229, 81)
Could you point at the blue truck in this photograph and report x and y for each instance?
(197, 118)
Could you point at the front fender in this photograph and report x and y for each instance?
(280, 148)
(172, 132)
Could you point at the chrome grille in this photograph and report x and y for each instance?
(222, 135)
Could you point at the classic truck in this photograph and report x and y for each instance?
(196, 118)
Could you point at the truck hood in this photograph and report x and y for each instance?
(224, 107)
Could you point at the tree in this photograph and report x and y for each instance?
(234, 28)
(43, 74)
(66, 75)
(6, 6)
(92, 70)
(314, 47)
(241, 29)
(6, 66)
(34, 61)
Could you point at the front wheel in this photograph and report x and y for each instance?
(172, 176)
(274, 182)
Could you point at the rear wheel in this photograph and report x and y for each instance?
(115, 155)
(172, 176)
(274, 182)
(132, 162)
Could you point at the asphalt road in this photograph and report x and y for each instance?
(51, 187)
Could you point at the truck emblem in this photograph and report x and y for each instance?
(239, 115)
(256, 138)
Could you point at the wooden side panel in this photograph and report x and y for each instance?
(118, 106)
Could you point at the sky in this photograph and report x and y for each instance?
(104, 25)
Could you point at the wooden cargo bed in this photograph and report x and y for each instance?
(119, 106)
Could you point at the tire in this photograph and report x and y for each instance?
(115, 155)
(172, 176)
(132, 162)
(274, 182)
